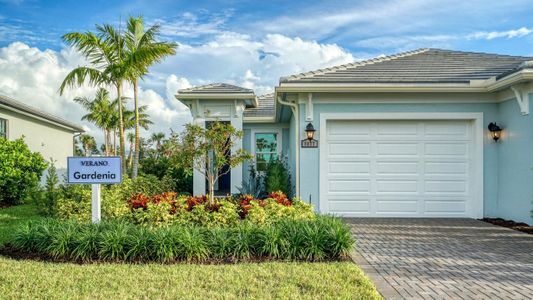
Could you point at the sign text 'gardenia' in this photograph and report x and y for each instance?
(93, 170)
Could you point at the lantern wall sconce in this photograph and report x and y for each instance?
(310, 142)
(495, 131)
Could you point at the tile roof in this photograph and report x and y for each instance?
(266, 107)
(418, 66)
(19, 106)
(216, 88)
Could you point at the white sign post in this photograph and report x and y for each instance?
(95, 170)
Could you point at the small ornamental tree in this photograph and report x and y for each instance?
(208, 150)
(20, 170)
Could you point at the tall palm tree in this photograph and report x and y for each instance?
(142, 118)
(88, 143)
(100, 111)
(143, 50)
(105, 52)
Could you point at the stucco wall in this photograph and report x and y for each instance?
(50, 140)
(515, 163)
(309, 158)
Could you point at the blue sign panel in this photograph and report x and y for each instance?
(94, 169)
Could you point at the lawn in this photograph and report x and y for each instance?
(33, 279)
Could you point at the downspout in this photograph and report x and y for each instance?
(295, 112)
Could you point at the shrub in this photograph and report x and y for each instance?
(321, 238)
(277, 177)
(270, 211)
(74, 201)
(20, 170)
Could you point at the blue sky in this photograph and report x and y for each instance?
(248, 43)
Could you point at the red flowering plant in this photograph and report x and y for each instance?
(245, 203)
(280, 198)
(192, 201)
(169, 198)
(139, 201)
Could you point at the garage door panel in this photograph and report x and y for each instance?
(397, 149)
(397, 206)
(349, 185)
(399, 168)
(347, 167)
(442, 207)
(446, 167)
(361, 206)
(445, 186)
(348, 149)
(449, 149)
(396, 186)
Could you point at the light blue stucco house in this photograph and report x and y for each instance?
(398, 136)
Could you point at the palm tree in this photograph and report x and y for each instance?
(88, 143)
(100, 111)
(105, 52)
(157, 138)
(142, 52)
(143, 118)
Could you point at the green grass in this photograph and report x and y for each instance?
(12, 217)
(32, 279)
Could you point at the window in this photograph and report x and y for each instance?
(3, 128)
(266, 149)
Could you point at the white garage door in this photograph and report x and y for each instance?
(398, 168)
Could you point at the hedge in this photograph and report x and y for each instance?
(322, 238)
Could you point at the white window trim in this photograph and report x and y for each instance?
(477, 159)
(7, 127)
(279, 140)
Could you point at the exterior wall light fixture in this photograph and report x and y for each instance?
(310, 142)
(495, 131)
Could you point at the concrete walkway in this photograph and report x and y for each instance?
(444, 258)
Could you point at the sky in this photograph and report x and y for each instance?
(247, 43)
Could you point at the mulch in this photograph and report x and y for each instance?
(519, 226)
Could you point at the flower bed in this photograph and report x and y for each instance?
(321, 238)
(169, 208)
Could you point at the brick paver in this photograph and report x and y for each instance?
(445, 258)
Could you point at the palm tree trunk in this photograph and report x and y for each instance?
(106, 142)
(130, 155)
(137, 131)
(121, 125)
(115, 141)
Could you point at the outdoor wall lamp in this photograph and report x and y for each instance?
(310, 131)
(495, 131)
(310, 141)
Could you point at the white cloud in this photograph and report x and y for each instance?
(523, 31)
(33, 76)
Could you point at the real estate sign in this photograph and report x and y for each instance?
(94, 169)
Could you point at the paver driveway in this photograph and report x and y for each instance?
(445, 258)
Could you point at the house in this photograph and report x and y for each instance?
(396, 136)
(53, 137)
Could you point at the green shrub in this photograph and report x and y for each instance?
(321, 238)
(74, 201)
(20, 170)
(270, 211)
(277, 177)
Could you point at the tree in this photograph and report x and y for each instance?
(88, 144)
(105, 53)
(131, 140)
(101, 112)
(208, 150)
(143, 50)
(157, 138)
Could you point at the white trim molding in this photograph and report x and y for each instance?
(522, 97)
(476, 180)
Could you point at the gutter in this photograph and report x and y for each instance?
(295, 112)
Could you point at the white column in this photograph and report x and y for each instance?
(95, 203)
(198, 177)
(236, 172)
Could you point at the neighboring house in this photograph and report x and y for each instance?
(53, 137)
(398, 136)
